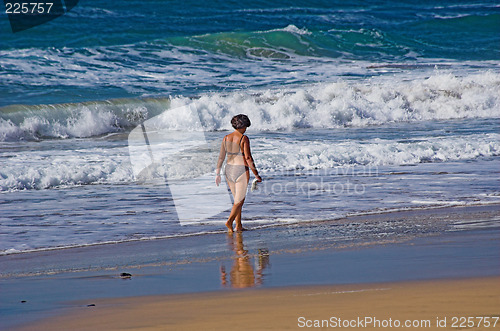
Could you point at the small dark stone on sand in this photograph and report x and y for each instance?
(91, 305)
(125, 275)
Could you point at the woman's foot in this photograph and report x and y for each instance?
(229, 226)
(241, 229)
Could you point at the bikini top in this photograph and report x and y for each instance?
(240, 152)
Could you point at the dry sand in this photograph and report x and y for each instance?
(282, 308)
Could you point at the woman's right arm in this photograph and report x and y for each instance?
(222, 156)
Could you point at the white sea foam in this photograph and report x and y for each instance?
(347, 103)
(73, 120)
(54, 168)
(292, 29)
(328, 105)
(48, 169)
(311, 155)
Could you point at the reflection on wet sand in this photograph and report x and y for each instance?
(242, 272)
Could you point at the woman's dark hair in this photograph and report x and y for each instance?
(240, 121)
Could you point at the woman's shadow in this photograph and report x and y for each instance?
(243, 274)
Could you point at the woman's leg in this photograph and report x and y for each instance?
(239, 227)
(229, 223)
(235, 211)
(241, 191)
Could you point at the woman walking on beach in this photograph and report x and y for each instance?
(236, 146)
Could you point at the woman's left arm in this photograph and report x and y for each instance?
(249, 158)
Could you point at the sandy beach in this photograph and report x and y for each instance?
(445, 304)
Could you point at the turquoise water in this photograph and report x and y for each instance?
(113, 49)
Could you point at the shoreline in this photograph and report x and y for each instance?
(449, 244)
(351, 217)
(359, 217)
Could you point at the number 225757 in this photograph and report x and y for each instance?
(28, 8)
(470, 322)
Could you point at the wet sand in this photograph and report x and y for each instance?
(443, 304)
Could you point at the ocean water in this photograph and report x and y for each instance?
(355, 108)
